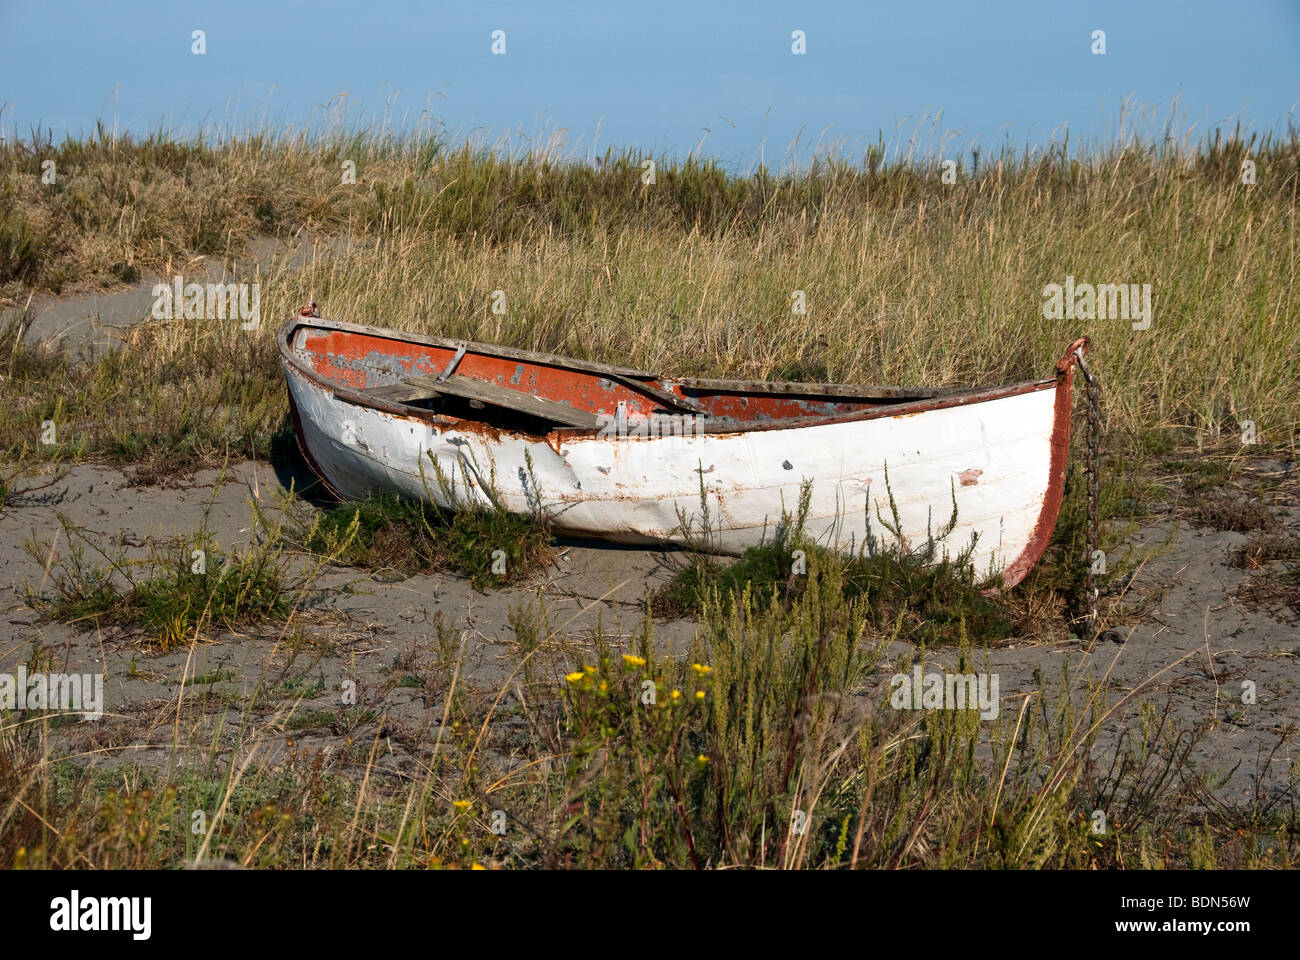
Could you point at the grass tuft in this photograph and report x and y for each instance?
(174, 594)
(388, 533)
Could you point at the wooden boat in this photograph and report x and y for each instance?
(627, 455)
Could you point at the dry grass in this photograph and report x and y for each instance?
(907, 280)
(761, 749)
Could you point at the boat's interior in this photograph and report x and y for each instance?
(537, 393)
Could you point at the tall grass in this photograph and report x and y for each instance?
(771, 745)
(907, 279)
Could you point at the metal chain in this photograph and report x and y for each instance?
(1093, 531)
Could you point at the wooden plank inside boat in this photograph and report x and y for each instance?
(401, 393)
(498, 396)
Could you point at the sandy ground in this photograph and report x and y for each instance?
(1191, 648)
(382, 635)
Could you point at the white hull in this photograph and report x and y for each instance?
(995, 455)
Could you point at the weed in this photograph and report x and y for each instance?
(391, 533)
(1229, 512)
(187, 586)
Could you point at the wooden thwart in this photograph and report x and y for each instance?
(420, 387)
(400, 393)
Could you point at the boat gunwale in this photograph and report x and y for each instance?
(955, 397)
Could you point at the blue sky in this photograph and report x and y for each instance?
(659, 75)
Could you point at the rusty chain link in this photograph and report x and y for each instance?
(1092, 534)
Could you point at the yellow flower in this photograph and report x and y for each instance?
(589, 669)
(702, 758)
(603, 686)
(677, 694)
(634, 661)
(701, 668)
(699, 694)
(462, 805)
(477, 866)
(575, 676)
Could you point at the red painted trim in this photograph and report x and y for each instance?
(1059, 465)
